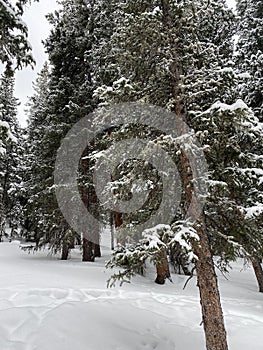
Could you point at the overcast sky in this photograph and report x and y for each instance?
(38, 30)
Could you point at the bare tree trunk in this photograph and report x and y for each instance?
(162, 268)
(117, 223)
(97, 251)
(87, 251)
(258, 272)
(117, 219)
(65, 250)
(87, 246)
(213, 320)
(112, 231)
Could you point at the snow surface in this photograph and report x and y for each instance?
(48, 304)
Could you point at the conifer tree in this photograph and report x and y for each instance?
(249, 55)
(14, 46)
(36, 168)
(178, 55)
(249, 59)
(44, 223)
(68, 98)
(10, 158)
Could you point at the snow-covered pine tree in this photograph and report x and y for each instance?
(14, 46)
(68, 98)
(34, 225)
(10, 158)
(178, 55)
(234, 207)
(232, 144)
(43, 221)
(249, 61)
(249, 55)
(69, 48)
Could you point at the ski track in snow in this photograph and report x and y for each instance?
(141, 316)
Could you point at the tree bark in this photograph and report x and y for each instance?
(97, 251)
(117, 223)
(117, 219)
(87, 246)
(213, 320)
(112, 231)
(258, 272)
(87, 251)
(65, 250)
(162, 268)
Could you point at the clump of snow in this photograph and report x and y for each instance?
(214, 183)
(226, 70)
(154, 12)
(239, 104)
(253, 211)
(245, 75)
(4, 124)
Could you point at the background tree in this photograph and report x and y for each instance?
(14, 47)
(10, 158)
(248, 59)
(67, 98)
(250, 53)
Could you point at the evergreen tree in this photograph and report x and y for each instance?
(44, 223)
(10, 158)
(68, 98)
(249, 55)
(249, 58)
(14, 47)
(36, 168)
(71, 79)
(178, 55)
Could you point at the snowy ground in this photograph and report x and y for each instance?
(48, 304)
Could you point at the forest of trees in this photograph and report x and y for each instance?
(196, 59)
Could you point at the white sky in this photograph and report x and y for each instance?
(38, 30)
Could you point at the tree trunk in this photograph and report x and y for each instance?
(65, 250)
(97, 251)
(162, 268)
(213, 320)
(117, 219)
(258, 272)
(117, 223)
(112, 231)
(212, 314)
(87, 246)
(87, 251)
